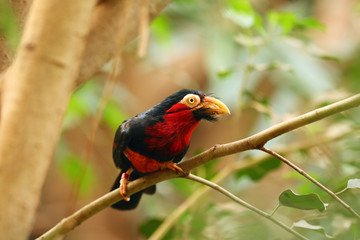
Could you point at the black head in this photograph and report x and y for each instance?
(170, 101)
(203, 107)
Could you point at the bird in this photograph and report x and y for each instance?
(158, 139)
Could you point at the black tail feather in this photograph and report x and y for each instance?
(135, 198)
(132, 204)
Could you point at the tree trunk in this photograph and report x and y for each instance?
(64, 43)
(34, 98)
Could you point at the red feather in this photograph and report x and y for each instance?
(142, 163)
(172, 135)
(177, 107)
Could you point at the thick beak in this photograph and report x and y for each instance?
(213, 106)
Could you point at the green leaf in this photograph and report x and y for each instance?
(207, 170)
(82, 104)
(288, 21)
(72, 167)
(8, 25)
(328, 57)
(182, 187)
(113, 117)
(150, 225)
(241, 6)
(260, 170)
(304, 224)
(147, 228)
(305, 202)
(311, 23)
(241, 13)
(160, 27)
(285, 20)
(354, 183)
(224, 72)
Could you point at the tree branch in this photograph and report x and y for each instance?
(171, 219)
(103, 40)
(302, 172)
(244, 204)
(256, 141)
(253, 142)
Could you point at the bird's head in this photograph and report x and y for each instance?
(201, 105)
(174, 119)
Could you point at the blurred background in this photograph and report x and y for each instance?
(268, 61)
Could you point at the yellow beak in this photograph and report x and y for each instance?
(213, 106)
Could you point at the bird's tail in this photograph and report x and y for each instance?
(135, 198)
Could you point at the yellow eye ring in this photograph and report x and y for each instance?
(191, 100)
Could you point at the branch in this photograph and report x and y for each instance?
(302, 172)
(253, 142)
(103, 40)
(256, 141)
(171, 219)
(244, 204)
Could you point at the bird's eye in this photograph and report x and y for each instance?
(191, 100)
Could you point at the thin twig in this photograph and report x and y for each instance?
(121, 35)
(144, 22)
(244, 204)
(171, 219)
(302, 172)
(105, 97)
(107, 93)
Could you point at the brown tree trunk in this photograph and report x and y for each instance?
(64, 43)
(34, 98)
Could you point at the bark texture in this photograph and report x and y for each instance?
(63, 44)
(35, 94)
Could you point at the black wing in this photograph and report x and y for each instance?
(121, 140)
(180, 156)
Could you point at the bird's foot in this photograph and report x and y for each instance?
(173, 167)
(123, 186)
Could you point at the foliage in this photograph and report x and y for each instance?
(8, 25)
(306, 201)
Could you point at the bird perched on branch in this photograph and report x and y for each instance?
(159, 138)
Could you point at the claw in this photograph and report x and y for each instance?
(173, 167)
(123, 184)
